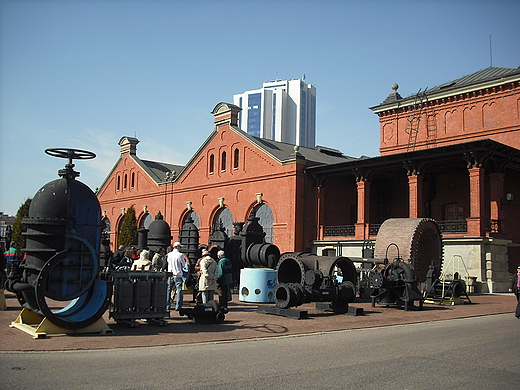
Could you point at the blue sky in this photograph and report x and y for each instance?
(82, 74)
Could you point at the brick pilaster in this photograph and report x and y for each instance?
(363, 209)
(476, 218)
(415, 185)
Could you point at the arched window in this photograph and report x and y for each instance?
(223, 162)
(211, 163)
(146, 220)
(105, 224)
(264, 212)
(132, 180)
(121, 221)
(118, 183)
(125, 181)
(194, 216)
(226, 218)
(236, 158)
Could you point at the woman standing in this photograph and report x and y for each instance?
(515, 289)
(208, 277)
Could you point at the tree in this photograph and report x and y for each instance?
(128, 234)
(19, 227)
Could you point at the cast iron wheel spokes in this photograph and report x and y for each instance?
(71, 154)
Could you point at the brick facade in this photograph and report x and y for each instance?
(451, 114)
(227, 172)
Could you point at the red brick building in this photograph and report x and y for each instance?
(450, 153)
(231, 177)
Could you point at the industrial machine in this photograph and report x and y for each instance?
(247, 246)
(139, 295)
(306, 277)
(396, 284)
(58, 280)
(410, 247)
(207, 313)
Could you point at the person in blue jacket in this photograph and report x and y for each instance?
(225, 279)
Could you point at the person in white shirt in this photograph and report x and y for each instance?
(176, 262)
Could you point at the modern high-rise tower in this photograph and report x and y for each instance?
(282, 110)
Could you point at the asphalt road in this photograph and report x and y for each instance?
(470, 353)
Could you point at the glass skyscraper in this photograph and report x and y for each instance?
(282, 110)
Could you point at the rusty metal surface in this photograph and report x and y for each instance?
(419, 241)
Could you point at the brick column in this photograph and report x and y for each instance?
(476, 201)
(363, 210)
(415, 185)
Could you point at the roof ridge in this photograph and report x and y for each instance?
(486, 74)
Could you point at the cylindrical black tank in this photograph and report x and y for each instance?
(142, 238)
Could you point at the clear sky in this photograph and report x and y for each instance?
(82, 74)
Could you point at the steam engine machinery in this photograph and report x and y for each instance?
(442, 289)
(62, 253)
(420, 242)
(141, 294)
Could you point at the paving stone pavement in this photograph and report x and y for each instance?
(242, 322)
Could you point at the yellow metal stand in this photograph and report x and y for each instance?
(446, 302)
(38, 327)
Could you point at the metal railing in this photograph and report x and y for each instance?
(450, 227)
(339, 231)
(374, 228)
(453, 226)
(493, 226)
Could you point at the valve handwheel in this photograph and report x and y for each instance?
(71, 154)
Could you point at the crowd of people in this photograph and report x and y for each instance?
(211, 276)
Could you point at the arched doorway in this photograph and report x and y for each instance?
(225, 217)
(146, 220)
(264, 212)
(105, 225)
(194, 216)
